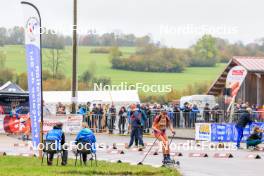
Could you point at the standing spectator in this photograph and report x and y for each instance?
(60, 109)
(94, 117)
(177, 115)
(243, 121)
(88, 114)
(194, 113)
(112, 113)
(122, 120)
(99, 114)
(186, 114)
(143, 119)
(206, 112)
(149, 121)
(216, 113)
(135, 123)
(82, 111)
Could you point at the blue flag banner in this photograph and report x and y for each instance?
(33, 57)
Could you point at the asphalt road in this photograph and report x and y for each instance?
(240, 164)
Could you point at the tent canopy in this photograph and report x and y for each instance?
(127, 96)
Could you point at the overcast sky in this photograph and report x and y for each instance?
(175, 23)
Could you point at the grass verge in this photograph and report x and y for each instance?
(26, 166)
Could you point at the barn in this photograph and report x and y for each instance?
(251, 89)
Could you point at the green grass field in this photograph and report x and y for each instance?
(102, 66)
(23, 166)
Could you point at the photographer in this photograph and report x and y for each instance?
(255, 138)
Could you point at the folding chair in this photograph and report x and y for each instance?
(51, 147)
(85, 148)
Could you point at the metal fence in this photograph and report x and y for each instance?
(111, 121)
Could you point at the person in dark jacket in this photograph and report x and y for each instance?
(58, 135)
(206, 113)
(86, 135)
(186, 114)
(112, 111)
(122, 120)
(255, 138)
(243, 121)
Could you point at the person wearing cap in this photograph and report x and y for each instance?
(160, 124)
(243, 121)
(57, 135)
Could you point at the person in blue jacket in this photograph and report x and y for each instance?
(86, 135)
(135, 123)
(57, 135)
(194, 113)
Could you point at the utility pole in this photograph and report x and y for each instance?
(74, 58)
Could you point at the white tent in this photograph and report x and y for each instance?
(117, 97)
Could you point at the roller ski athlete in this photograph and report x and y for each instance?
(160, 124)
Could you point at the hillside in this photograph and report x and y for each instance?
(15, 59)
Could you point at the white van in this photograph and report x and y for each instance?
(199, 100)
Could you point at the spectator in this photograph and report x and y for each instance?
(112, 112)
(60, 109)
(216, 113)
(186, 114)
(149, 119)
(255, 138)
(206, 112)
(143, 119)
(122, 120)
(94, 117)
(88, 114)
(86, 135)
(243, 120)
(194, 112)
(177, 115)
(135, 123)
(100, 113)
(57, 135)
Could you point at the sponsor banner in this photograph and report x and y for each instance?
(222, 132)
(15, 124)
(33, 57)
(235, 78)
(9, 101)
(74, 124)
(203, 131)
(71, 123)
(22, 124)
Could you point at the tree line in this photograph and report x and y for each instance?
(206, 52)
(15, 36)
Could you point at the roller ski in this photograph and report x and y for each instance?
(168, 162)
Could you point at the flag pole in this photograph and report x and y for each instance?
(41, 113)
